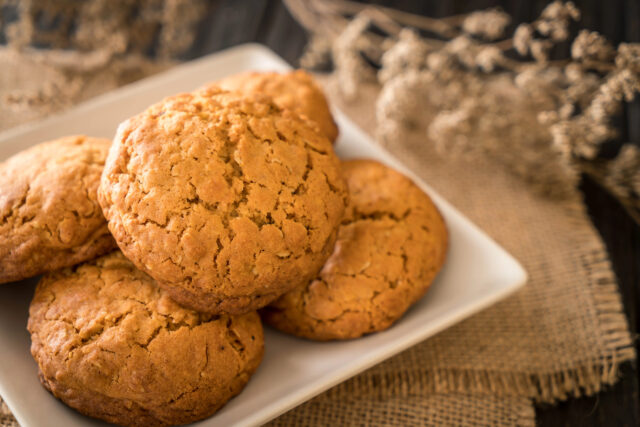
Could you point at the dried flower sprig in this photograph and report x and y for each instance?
(543, 119)
(488, 24)
(348, 49)
(591, 46)
(166, 27)
(86, 48)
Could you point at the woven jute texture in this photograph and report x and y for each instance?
(563, 335)
(411, 410)
(6, 419)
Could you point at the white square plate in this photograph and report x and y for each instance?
(477, 273)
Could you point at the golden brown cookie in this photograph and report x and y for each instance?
(391, 244)
(49, 212)
(228, 201)
(114, 346)
(295, 90)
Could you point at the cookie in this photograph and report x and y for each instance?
(295, 90)
(111, 344)
(390, 246)
(228, 201)
(49, 213)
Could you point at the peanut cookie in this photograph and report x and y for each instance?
(391, 244)
(295, 90)
(49, 212)
(112, 345)
(228, 201)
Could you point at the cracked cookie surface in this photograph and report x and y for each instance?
(114, 346)
(49, 212)
(295, 90)
(391, 244)
(227, 200)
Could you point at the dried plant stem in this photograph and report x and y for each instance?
(321, 16)
(543, 119)
(445, 26)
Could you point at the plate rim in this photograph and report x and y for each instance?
(347, 371)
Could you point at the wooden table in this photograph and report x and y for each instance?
(231, 22)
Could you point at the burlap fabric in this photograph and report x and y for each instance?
(6, 419)
(563, 335)
(411, 410)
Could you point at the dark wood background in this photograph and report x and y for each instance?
(231, 22)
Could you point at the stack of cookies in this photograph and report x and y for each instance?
(162, 249)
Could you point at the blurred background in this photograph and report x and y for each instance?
(57, 53)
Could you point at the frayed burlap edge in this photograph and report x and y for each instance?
(557, 384)
(549, 386)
